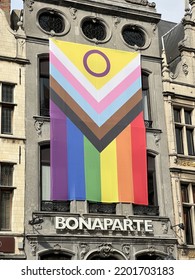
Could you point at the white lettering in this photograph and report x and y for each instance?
(138, 224)
(117, 225)
(60, 223)
(72, 223)
(108, 223)
(84, 223)
(128, 224)
(97, 224)
(148, 226)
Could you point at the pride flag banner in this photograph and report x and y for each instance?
(98, 141)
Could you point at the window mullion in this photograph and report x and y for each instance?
(185, 146)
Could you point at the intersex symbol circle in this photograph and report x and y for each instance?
(85, 58)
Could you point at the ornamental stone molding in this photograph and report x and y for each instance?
(185, 163)
(142, 2)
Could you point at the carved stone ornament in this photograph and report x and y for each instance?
(142, 2)
(126, 249)
(170, 250)
(185, 69)
(117, 20)
(84, 249)
(151, 250)
(154, 27)
(21, 47)
(57, 247)
(29, 4)
(164, 228)
(38, 127)
(73, 12)
(33, 247)
(157, 138)
(105, 250)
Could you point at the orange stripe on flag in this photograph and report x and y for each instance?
(124, 165)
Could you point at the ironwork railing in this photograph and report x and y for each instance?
(105, 208)
(55, 206)
(149, 210)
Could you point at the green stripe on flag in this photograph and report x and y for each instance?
(92, 172)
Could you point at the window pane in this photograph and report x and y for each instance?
(190, 141)
(188, 225)
(188, 117)
(5, 210)
(146, 106)
(44, 86)
(44, 96)
(145, 97)
(45, 155)
(7, 93)
(145, 84)
(6, 175)
(184, 193)
(179, 140)
(193, 193)
(45, 172)
(177, 115)
(44, 67)
(6, 120)
(152, 192)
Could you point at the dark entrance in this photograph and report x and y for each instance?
(54, 256)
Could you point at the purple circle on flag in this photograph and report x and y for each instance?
(104, 73)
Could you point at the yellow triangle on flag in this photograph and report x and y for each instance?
(97, 64)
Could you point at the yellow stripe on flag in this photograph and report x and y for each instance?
(109, 178)
(75, 52)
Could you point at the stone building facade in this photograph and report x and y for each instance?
(123, 25)
(12, 138)
(179, 99)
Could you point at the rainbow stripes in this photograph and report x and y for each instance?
(98, 148)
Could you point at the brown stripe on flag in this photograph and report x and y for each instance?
(99, 132)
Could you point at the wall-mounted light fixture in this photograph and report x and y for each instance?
(36, 221)
(181, 226)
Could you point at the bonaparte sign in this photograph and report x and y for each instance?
(131, 225)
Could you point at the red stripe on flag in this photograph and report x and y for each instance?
(139, 161)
